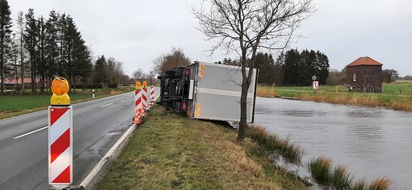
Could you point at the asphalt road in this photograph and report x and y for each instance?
(24, 148)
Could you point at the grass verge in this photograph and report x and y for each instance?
(171, 151)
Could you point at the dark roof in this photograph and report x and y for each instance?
(364, 61)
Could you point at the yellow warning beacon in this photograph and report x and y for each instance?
(60, 88)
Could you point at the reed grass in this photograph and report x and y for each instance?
(320, 169)
(359, 185)
(381, 183)
(272, 142)
(341, 179)
(267, 92)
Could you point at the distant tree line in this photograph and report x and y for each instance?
(163, 63)
(292, 68)
(42, 48)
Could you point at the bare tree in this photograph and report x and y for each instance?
(174, 59)
(151, 76)
(246, 26)
(138, 74)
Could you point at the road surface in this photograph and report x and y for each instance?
(23, 141)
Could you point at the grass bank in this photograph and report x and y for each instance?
(397, 96)
(13, 105)
(171, 151)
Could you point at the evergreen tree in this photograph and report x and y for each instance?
(61, 41)
(298, 68)
(265, 64)
(100, 71)
(22, 53)
(52, 46)
(81, 60)
(323, 65)
(290, 67)
(277, 69)
(12, 57)
(5, 32)
(31, 40)
(42, 66)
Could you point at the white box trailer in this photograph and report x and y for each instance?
(215, 91)
(208, 91)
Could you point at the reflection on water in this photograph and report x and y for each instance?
(372, 142)
(364, 113)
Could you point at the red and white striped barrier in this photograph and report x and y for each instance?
(138, 103)
(152, 95)
(144, 98)
(60, 146)
(138, 99)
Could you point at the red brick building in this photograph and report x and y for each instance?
(365, 75)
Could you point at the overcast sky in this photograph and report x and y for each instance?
(136, 32)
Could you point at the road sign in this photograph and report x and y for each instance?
(60, 136)
(315, 85)
(314, 77)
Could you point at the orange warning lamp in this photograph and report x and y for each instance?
(144, 84)
(60, 88)
(138, 85)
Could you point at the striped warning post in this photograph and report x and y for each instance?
(144, 97)
(60, 146)
(152, 95)
(138, 105)
(138, 99)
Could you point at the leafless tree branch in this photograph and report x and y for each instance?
(246, 26)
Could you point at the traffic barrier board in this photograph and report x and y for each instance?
(60, 146)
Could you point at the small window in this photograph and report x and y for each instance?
(354, 77)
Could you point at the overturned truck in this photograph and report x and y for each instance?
(207, 91)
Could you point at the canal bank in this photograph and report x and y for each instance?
(396, 96)
(171, 151)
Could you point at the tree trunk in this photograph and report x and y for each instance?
(246, 78)
(16, 74)
(42, 83)
(2, 70)
(243, 103)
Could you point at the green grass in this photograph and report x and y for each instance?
(171, 151)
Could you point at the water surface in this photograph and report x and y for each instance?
(371, 142)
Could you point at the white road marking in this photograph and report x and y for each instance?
(85, 183)
(106, 105)
(31, 132)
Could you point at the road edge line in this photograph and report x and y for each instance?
(86, 182)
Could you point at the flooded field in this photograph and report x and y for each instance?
(371, 142)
